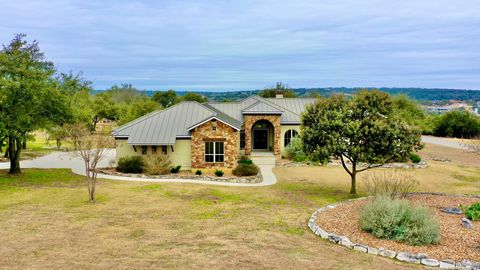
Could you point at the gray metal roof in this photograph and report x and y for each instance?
(262, 108)
(164, 126)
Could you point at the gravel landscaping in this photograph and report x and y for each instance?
(457, 242)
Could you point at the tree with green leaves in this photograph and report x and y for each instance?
(29, 99)
(190, 96)
(271, 92)
(457, 123)
(166, 98)
(363, 132)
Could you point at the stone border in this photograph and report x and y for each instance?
(226, 179)
(396, 165)
(420, 258)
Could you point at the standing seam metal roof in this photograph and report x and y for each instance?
(164, 126)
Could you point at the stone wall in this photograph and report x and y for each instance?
(274, 120)
(223, 133)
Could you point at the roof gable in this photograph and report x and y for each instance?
(262, 108)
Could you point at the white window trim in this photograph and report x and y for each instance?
(214, 153)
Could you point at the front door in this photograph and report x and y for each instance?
(260, 139)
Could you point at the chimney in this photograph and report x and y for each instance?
(279, 94)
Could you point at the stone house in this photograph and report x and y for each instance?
(211, 135)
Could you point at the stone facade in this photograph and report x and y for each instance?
(206, 132)
(275, 120)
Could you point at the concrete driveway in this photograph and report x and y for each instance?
(443, 142)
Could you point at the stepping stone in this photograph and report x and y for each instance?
(452, 210)
(467, 223)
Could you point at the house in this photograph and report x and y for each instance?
(210, 135)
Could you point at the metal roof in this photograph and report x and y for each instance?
(164, 126)
(262, 108)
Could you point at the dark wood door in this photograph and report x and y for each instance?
(260, 139)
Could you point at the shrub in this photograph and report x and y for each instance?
(198, 172)
(156, 164)
(397, 220)
(415, 158)
(460, 124)
(390, 184)
(472, 212)
(244, 169)
(175, 169)
(218, 173)
(245, 160)
(133, 164)
(294, 150)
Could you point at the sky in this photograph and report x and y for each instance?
(246, 44)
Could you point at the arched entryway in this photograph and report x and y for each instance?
(262, 133)
(262, 136)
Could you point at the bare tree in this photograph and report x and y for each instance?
(92, 149)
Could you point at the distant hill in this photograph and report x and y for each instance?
(420, 94)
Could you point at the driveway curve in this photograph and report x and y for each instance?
(443, 142)
(67, 160)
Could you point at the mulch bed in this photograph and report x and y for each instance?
(457, 242)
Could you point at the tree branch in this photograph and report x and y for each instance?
(345, 166)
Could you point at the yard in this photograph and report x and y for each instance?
(47, 223)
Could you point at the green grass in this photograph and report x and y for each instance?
(47, 222)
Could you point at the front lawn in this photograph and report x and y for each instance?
(47, 223)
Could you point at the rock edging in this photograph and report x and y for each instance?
(419, 258)
(396, 165)
(227, 179)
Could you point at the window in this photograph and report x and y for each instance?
(144, 150)
(214, 152)
(214, 128)
(288, 136)
(164, 149)
(154, 149)
(242, 139)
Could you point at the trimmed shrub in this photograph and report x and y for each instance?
(157, 164)
(245, 160)
(397, 220)
(294, 150)
(390, 184)
(175, 169)
(198, 172)
(244, 169)
(133, 164)
(415, 158)
(472, 212)
(218, 173)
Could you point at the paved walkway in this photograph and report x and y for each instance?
(70, 161)
(443, 142)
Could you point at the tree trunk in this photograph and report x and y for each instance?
(353, 175)
(24, 144)
(14, 150)
(353, 187)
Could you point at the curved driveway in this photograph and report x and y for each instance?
(68, 160)
(443, 142)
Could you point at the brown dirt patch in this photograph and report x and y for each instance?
(456, 242)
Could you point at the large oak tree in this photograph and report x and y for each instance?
(29, 98)
(363, 132)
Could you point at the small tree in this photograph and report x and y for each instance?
(360, 131)
(92, 149)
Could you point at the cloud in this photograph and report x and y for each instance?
(229, 45)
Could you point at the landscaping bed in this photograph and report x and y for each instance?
(457, 243)
(207, 175)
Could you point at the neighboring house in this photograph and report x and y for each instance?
(209, 135)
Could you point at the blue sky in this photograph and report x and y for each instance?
(238, 45)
